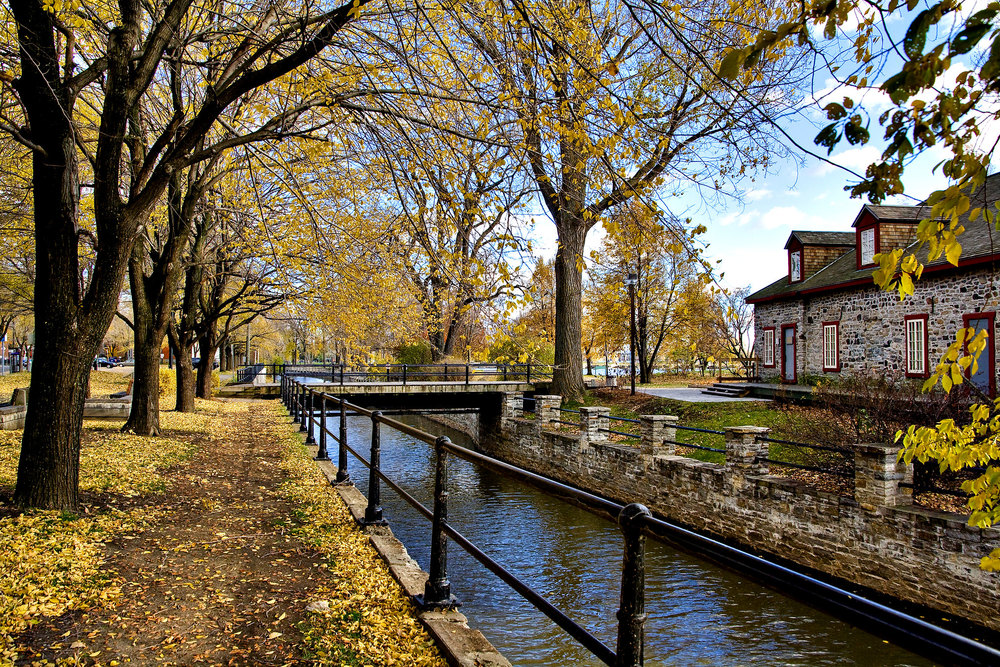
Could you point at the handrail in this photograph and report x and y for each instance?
(629, 644)
(634, 520)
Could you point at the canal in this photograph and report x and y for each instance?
(698, 613)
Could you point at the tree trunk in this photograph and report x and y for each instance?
(208, 346)
(144, 416)
(184, 373)
(567, 378)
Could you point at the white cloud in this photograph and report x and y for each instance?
(757, 194)
(792, 217)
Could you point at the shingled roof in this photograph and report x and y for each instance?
(980, 243)
(823, 238)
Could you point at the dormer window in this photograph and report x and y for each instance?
(867, 246)
(795, 266)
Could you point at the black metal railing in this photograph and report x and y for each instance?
(928, 478)
(402, 373)
(308, 405)
(824, 459)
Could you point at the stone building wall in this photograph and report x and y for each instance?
(872, 329)
(922, 556)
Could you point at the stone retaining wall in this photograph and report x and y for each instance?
(875, 539)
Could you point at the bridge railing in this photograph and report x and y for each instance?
(310, 408)
(401, 373)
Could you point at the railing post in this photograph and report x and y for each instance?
(310, 440)
(342, 476)
(373, 513)
(342, 367)
(527, 373)
(632, 606)
(302, 408)
(404, 375)
(547, 409)
(293, 399)
(437, 590)
(744, 446)
(467, 374)
(446, 378)
(322, 454)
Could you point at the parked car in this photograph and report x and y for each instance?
(104, 362)
(196, 360)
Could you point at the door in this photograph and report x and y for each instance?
(788, 353)
(985, 376)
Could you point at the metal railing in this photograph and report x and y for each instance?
(844, 467)
(308, 406)
(402, 373)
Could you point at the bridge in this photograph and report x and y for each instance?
(398, 385)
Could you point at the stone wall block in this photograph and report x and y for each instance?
(877, 475)
(658, 434)
(547, 409)
(511, 407)
(744, 444)
(594, 424)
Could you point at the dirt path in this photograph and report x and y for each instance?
(219, 580)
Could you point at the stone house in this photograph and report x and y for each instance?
(825, 316)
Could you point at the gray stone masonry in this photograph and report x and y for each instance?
(743, 445)
(592, 421)
(657, 434)
(877, 474)
(547, 409)
(511, 407)
(872, 537)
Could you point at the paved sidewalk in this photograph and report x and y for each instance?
(691, 395)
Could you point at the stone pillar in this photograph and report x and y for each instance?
(511, 407)
(657, 434)
(547, 409)
(743, 446)
(594, 423)
(877, 474)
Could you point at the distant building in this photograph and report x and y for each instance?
(826, 316)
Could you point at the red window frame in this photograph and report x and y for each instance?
(990, 346)
(836, 350)
(763, 340)
(795, 357)
(906, 346)
(857, 243)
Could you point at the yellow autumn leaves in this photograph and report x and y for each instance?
(371, 621)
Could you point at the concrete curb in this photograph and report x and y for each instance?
(461, 645)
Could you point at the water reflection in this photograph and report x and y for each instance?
(698, 614)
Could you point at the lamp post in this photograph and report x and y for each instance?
(631, 281)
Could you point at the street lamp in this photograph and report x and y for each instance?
(631, 281)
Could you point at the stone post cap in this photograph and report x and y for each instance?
(747, 430)
(595, 410)
(875, 448)
(659, 418)
(548, 397)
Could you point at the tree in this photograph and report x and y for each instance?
(111, 61)
(734, 326)
(666, 260)
(605, 103)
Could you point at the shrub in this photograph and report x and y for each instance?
(419, 352)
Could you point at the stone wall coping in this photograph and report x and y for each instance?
(756, 430)
(594, 410)
(660, 418)
(875, 448)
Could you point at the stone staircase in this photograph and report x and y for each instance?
(727, 389)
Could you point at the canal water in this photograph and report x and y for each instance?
(698, 613)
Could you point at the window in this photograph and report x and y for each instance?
(867, 246)
(768, 351)
(916, 345)
(831, 346)
(795, 266)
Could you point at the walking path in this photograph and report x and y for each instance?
(691, 395)
(251, 559)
